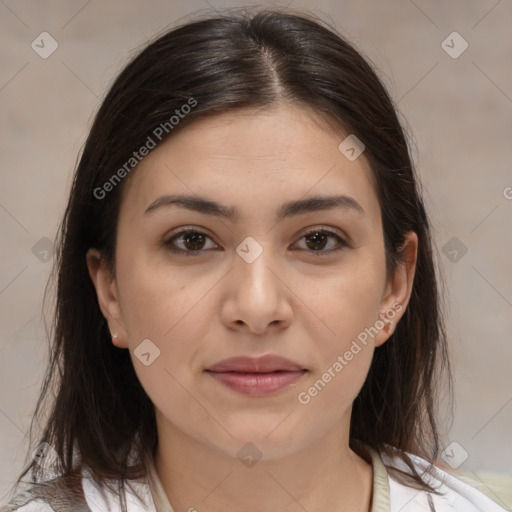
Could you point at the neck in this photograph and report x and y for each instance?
(324, 475)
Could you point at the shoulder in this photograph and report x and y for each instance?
(48, 496)
(102, 499)
(34, 505)
(80, 493)
(454, 493)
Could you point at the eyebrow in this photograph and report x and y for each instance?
(289, 209)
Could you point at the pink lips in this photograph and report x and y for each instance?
(256, 376)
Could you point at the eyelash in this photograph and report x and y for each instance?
(343, 244)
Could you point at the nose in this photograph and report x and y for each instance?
(258, 299)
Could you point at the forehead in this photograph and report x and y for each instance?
(254, 158)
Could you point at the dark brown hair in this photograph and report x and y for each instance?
(100, 415)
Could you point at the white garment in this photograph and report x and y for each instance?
(388, 494)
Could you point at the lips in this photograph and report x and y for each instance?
(264, 364)
(256, 376)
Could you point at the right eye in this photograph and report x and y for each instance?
(192, 242)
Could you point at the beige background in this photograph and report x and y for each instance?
(459, 112)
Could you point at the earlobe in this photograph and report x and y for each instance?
(398, 289)
(114, 340)
(106, 292)
(388, 319)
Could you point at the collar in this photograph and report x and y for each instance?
(380, 494)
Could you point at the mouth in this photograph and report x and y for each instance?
(257, 383)
(257, 376)
(264, 364)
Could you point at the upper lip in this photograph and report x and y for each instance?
(263, 364)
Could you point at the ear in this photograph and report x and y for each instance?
(108, 301)
(398, 290)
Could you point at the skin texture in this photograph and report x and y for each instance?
(201, 309)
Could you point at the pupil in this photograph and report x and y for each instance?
(320, 240)
(196, 239)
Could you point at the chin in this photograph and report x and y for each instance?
(263, 441)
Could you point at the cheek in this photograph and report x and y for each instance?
(171, 315)
(157, 300)
(347, 305)
(168, 309)
(343, 350)
(332, 391)
(346, 300)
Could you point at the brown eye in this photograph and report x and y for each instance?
(318, 239)
(192, 241)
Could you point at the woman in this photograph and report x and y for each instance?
(248, 315)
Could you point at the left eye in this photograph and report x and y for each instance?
(193, 242)
(317, 240)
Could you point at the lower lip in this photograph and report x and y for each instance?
(257, 384)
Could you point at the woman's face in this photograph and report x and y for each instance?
(259, 281)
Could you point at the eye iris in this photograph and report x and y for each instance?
(319, 239)
(196, 240)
